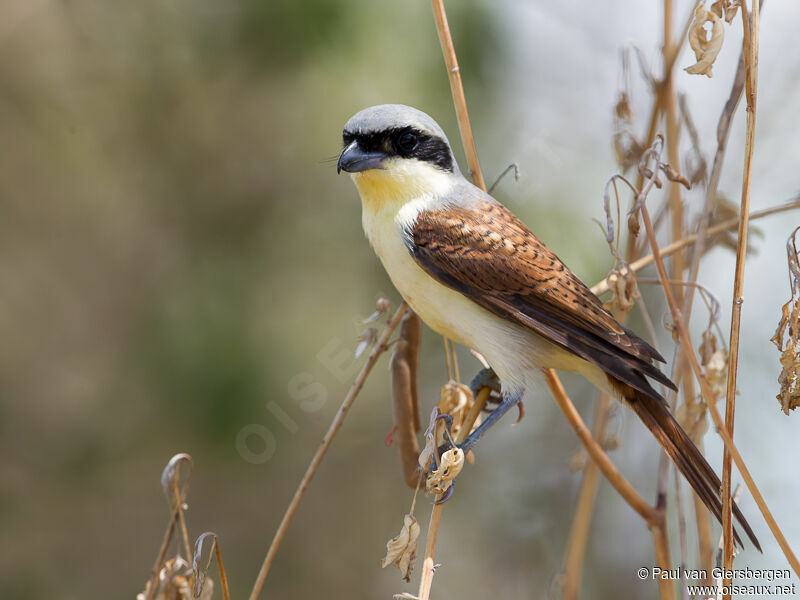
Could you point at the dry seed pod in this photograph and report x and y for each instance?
(624, 290)
(442, 478)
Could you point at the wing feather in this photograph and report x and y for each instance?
(490, 256)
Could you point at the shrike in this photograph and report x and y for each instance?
(476, 274)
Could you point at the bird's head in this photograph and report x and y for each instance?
(392, 150)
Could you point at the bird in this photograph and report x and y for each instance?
(476, 274)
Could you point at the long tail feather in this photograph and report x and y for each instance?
(655, 414)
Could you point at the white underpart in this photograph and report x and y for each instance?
(392, 199)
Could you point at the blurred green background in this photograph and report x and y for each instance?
(179, 263)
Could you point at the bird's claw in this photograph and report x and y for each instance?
(485, 378)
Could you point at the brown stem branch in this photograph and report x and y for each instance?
(582, 518)
(426, 578)
(625, 489)
(457, 89)
(751, 80)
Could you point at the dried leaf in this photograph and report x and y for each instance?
(365, 340)
(449, 468)
(706, 44)
(426, 456)
(788, 327)
(622, 110)
(624, 290)
(454, 400)
(648, 174)
(728, 7)
(401, 551)
(633, 223)
(673, 175)
(707, 347)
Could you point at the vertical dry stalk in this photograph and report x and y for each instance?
(582, 518)
(338, 419)
(468, 143)
(428, 565)
(457, 89)
(750, 26)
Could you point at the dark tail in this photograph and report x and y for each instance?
(655, 414)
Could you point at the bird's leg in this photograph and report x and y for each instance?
(509, 400)
(485, 378)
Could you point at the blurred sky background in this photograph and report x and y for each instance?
(177, 252)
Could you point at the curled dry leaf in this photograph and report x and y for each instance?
(442, 478)
(787, 336)
(401, 551)
(365, 340)
(427, 454)
(624, 290)
(673, 175)
(647, 173)
(454, 400)
(706, 44)
(726, 7)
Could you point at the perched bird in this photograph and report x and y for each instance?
(476, 274)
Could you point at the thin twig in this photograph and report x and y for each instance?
(379, 348)
(637, 265)
(582, 518)
(625, 489)
(457, 89)
(751, 82)
(428, 565)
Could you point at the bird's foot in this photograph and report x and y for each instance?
(508, 400)
(485, 378)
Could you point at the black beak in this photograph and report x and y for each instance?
(353, 159)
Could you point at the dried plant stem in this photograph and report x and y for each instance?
(705, 389)
(162, 552)
(426, 578)
(654, 517)
(625, 489)
(379, 348)
(223, 577)
(457, 89)
(751, 79)
(582, 518)
(640, 263)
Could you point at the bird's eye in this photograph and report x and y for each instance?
(406, 142)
